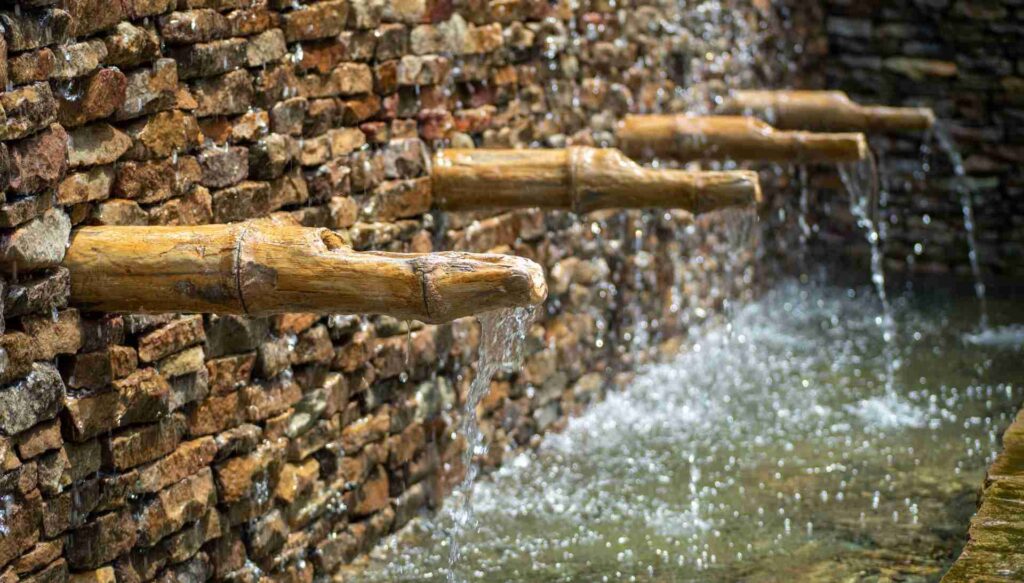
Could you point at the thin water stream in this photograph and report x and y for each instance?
(767, 453)
(502, 334)
(948, 147)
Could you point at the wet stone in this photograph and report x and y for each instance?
(39, 162)
(150, 90)
(129, 46)
(92, 185)
(97, 96)
(223, 167)
(30, 29)
(37, 244)
(101, 540)
(40, 293)
(163, 135)
(31, 66)
(96, 144)
(78, 60)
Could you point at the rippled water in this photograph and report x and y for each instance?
(769, 451)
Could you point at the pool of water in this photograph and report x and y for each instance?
(776, 448)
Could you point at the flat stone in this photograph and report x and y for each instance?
(39, 558)
(39, 162)
(150, 90)
(321, 20)
(194, 26)
(95, 370)
(265, 47)
(96, 144)
(222, 167)
(189, 458)
(212, 58)
(173, 507)
(240, 202)
(175, 336)
(101, 575)
(40, 439)
(185, 362)
(41, 292)
(119, 212)
(156, 180)
(130, 46)
(194, 208)
(23, 209)
(101, 540)
(91, 16)
(94, 97)
(250, 475)
(230, 372)
(78, 59)
(31, 400)
(138, 445)
(227, 94)
(27, 110)
(37, 244)
(163, 134)
(31, 66)
(53, 334)
(31, 29)
(92, 185)
(22, 525)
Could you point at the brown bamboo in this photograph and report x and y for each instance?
(268, 266)
(826, 111)
(739, 138)
(580, 179)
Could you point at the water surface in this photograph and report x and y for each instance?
(771, 450)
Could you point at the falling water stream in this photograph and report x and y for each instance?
(948, 147)
(502, 334)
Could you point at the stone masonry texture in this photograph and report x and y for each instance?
(201, 447)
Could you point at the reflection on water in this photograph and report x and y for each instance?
(769, 451)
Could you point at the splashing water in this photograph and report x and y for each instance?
(945, 142)
(502, 333)
(712, 466)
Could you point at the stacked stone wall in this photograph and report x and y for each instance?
(191, 447)
(965, 59)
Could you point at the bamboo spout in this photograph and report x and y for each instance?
(740, 138)
(826, 111)
(580, 179)
(265, 267)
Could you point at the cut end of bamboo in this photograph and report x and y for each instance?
(731, 137)
(456, 285)
(265, 267)
(826, 111)
(734, 188)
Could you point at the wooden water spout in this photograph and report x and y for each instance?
(270, 266)
(580, 179)
(826, 111)
(740, 138)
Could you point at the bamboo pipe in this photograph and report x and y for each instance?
(267, 266)
(580, 179)
(686, 138)
(826, 111)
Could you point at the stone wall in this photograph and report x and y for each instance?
(143, 447)
(965, 59)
